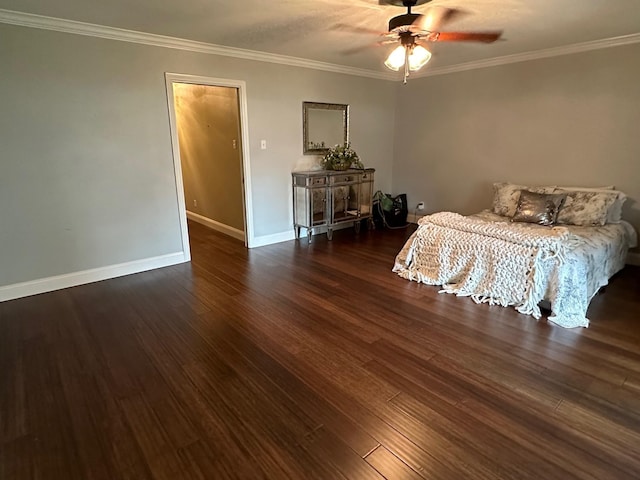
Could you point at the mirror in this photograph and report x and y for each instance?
(324, 125)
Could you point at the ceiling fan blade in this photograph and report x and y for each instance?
(435, 18)
(484, 37)
(345, 27)
(358, 3)
(354, 50)
(362, 48)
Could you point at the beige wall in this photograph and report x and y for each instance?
(86, 168)
(87, 176)
(569, 120)
(208, 121)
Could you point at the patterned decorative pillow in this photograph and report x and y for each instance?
(587, 208)
(589, 189)
(614, 214)
(506, 195)
(540, 208)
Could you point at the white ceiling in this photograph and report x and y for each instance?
(303, 28)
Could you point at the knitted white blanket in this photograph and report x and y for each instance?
(496, 263)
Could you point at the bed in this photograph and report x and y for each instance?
(495, 257)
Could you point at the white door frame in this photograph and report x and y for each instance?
(170, 79)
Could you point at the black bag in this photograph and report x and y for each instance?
(390, 211)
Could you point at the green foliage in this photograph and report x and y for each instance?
(341, 157)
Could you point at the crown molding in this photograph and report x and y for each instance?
(535, 55)
(112, 33)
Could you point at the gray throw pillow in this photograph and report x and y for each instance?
(539, 208)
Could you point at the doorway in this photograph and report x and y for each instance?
(210, 151)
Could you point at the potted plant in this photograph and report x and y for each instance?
(341, 157)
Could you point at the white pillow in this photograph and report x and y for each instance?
(614, 209)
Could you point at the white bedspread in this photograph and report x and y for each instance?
(568, 276)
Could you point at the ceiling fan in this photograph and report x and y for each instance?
(414, 30)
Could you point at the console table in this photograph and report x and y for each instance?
(324, 199)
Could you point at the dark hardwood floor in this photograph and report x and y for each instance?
(312, 361)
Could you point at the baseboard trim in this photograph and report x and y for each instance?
(265, 240)
(633, 258)
(49, 284)
(217, 226)
(286, 236)
(413, 218)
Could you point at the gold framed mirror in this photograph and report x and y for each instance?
(324, 125)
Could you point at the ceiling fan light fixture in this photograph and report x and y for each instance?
(395, 60)
(418, 58)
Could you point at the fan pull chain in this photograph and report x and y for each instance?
(406, 64)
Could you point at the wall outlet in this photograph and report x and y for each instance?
(420, 206)
(263, 144)
(195, 202)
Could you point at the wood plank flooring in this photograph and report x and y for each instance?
(298, 361)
